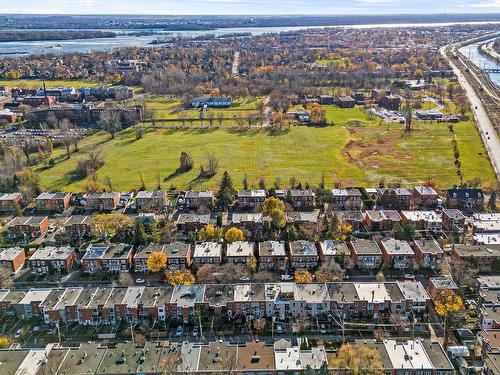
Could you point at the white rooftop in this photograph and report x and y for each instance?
(408, 355)
(289, 359)
(372, 292)
(207, 250)
(429, 216)
(240, 249)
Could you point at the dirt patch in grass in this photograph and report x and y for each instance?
(371, 155)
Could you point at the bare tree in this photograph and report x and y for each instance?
(5, 277)
(67, 137)
(110, 121)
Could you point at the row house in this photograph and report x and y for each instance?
(251, 222)
(248, 301)
(468, 200)
(251, 199)
(395, 198)
(272, 255)
(53, 202)
(418, 356)
(397, 254)
(428, 253)
(484, 257)
(334, 251)
(283, 300)
(424, 197)
(12, 259)
(151, 201)
(28, 226)
(347, 199)
(453, 220)
(308, 219)
(187, 222)
(238, 252)
(52, 259)
(196, 199)
(103, 201)
(185, 299)
(301, 199)
(178, 256)
(366, 254)
(10, 202)
(382, 220)
(356, 219)
(78, 226)
(439, 284)
(424, 220)
(207, 253)
(488, 223)
(303, 254)
(107, 258)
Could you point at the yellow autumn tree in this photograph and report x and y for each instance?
(180, 277)
(271, 204)
(358, 359)
(4, 342)
(252, 263)
(446, 303)
(157, 261)
(303, 276)
(342, 232)
(106, 226)
(234, 234)
(210, 233)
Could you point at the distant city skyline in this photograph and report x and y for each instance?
(250, 7)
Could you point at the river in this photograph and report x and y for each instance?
(15, 49)
(471, 51)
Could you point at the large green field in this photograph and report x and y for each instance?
(37, 83)
(353, 154)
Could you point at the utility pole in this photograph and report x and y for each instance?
(132, 331)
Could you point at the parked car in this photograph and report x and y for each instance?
(140, 281)
(279, 328)
(286, 277)
(17, 334)
(195, 331)
(409, 276)
(322, 329)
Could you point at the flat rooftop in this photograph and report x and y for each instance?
(53, 253)
(366, 247)
(272, 248)
(207, 250)
(240, 249)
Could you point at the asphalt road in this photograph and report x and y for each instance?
(484, 124)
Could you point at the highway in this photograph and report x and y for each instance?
(484, 124)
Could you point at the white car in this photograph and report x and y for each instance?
(140, 281)
(286, 277)
(17, 334)
(279, 328)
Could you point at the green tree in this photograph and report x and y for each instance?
(404, 231)
(140, 236)
(225, 195)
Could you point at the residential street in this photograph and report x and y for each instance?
(485, 126)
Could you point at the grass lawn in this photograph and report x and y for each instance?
(428, 105)
(352, 153)
(37, 83)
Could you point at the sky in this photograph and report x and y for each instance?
(254, 7)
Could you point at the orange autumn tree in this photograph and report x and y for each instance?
(180, 277)
(358, 359)
(303, 276)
